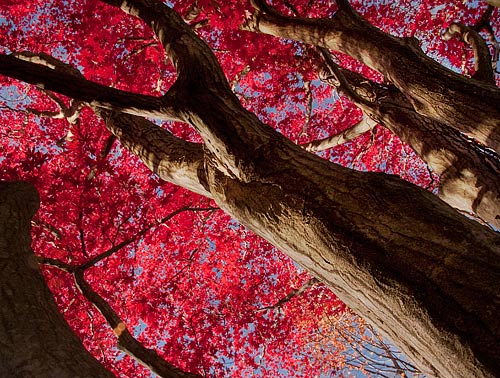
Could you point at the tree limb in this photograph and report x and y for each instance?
(469, 178)
(292, 294)
(86, 91)
(171, 158)
(347, 135)
(126, 342)
(141, 233)
(482, 58)
(401, 62)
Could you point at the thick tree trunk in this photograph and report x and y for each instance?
(427, 277)
(468, 105)
(35, 340)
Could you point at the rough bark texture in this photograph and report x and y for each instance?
(432, 89)
(469, 175)
(427, 277)
(171, 158)
(35, 340)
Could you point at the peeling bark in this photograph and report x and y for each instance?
(35, 340)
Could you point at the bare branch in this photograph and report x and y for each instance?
(352, 132)
(138, 235)
(482, 58)
(56, 263)
(292, 294)
(126, 342)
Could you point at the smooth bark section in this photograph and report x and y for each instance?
(171, 158)
(433, 90)
(35, 340)
(345, 136)
(126, 342)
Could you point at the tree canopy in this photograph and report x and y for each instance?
(225, 186)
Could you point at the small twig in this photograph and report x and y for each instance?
(141, 233)
(294, 293)
(309, 108)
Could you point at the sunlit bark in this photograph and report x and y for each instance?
(427, 277)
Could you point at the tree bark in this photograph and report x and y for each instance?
(468, 105)
(35, 340)
(469, 176)
(427, 277)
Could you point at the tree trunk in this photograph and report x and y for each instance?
(427, 277)
(468, 105)
(35, 340)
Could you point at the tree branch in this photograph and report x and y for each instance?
(56, 263)
(292, 294)
(352, 132)
(126, 342)
(192, 59)
(464, 183)
(94, 94)
(201, 83)
(141, 233)
(482, 58)
(401, 62)
(171, 158)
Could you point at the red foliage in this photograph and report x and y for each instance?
(196, 287)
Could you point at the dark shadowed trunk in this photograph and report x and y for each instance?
(35, 340)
